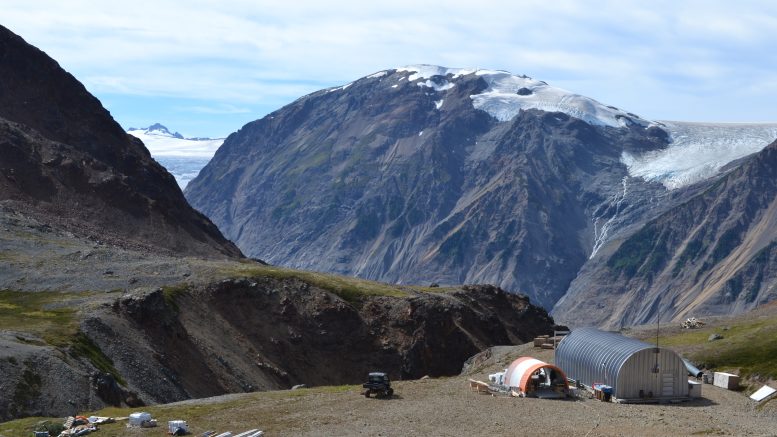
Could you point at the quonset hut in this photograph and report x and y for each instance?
(636, 371)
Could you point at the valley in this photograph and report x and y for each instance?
(414, 221)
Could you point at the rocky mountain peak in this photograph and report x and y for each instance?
(66, 161)
(159, 129)
(420, 175)
(425, 174)
(507, 94)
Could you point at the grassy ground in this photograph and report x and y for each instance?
(263, 410)
(349, 288)
(748, 347)
(46, 315)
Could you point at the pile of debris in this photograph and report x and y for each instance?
(549, 341)
(73, 426)
(692, 323)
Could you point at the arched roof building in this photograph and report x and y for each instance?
(634, 369)
(535, 378)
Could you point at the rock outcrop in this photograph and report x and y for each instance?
(254, 334)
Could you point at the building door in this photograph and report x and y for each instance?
(667, 384)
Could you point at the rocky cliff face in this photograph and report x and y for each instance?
(256, 334)
(402, 179)
(65, 161)
(713, 254)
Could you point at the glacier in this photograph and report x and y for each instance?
(698, 151)
(182, 157)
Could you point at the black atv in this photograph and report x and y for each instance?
(378, 383)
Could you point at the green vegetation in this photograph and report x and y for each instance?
(348, 288)
(83, 346)
(692, 249)
(255, 410)
(643, 253)
(367, 226)
(748, 347)
(171, 293)
(44, 314)
(726, 243)
(27, 390)
(52, 317)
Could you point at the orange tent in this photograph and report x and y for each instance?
(527, 374)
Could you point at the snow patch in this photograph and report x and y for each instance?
(340, 88)
(394, 86)
(438, 104)
(420, 133)
(508, 94)
(445, 85)
(698, 151)
(378, 74)
(423, 71)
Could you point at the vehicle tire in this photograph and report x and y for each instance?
(367, 394)
(390, 392)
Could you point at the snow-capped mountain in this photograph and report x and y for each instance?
(696, 151)
(426, 174)
(183, 157)
(507, 94)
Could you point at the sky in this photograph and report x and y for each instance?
(205, 68)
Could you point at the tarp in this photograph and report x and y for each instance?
(762, 393)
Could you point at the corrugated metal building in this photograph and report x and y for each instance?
(634, 369)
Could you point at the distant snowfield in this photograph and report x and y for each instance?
(698, 151)
(166, 145)
(182, 157)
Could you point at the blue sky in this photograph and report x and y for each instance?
(205, 68)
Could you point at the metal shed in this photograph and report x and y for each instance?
(634, 369)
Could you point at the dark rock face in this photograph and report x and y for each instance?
(273, 334)
(713, 254)
(386, 180)
(67, 162)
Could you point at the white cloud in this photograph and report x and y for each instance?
(246, 52)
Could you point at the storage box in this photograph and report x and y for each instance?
(694, 389)
(726, 380)
(175, 425)
(137, 419)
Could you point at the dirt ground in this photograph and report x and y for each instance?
(447, 407)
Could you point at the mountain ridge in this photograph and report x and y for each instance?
(401, 166)
(711, 255)
(429, 174)
(67, 162)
